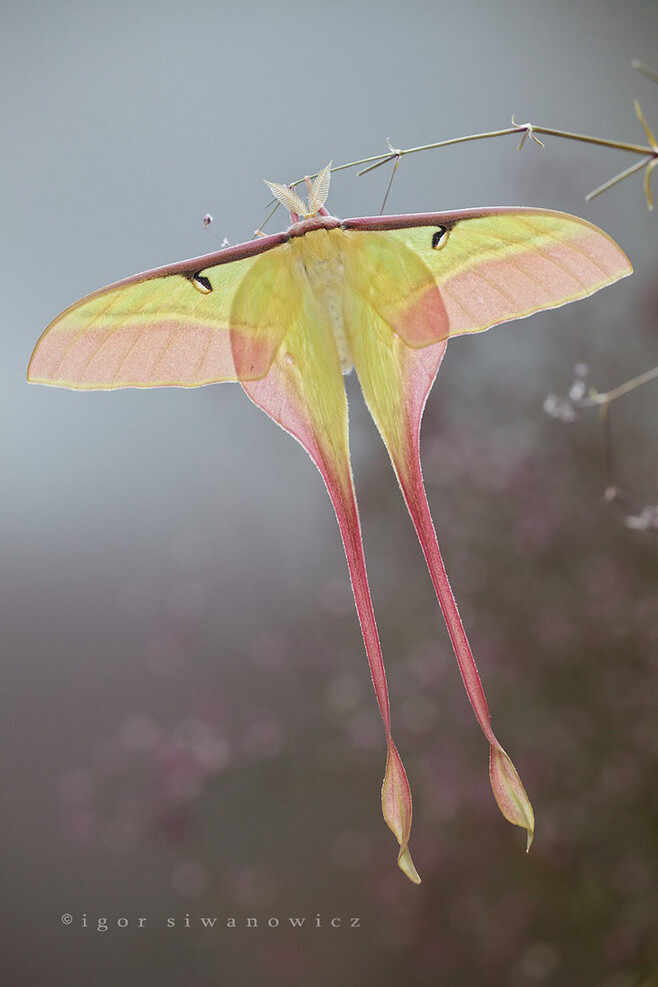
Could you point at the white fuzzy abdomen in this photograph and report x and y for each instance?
(321, 264)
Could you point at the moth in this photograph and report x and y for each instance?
(287, 315)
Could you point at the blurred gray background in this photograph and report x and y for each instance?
(188, 720)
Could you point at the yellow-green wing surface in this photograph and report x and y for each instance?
(431, 276)
(170, 326)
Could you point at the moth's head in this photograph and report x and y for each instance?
(318, 190)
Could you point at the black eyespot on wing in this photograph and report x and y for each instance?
(201, 283)
(439, 237)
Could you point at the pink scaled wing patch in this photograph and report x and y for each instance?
(133, 355)
(494, 289)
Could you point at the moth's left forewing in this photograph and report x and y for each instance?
(490, 265)
(165, 327)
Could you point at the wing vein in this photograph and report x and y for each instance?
(207, 347)
(122, 361)
(551, 260)
(78, 333)
(110, 332)
(170, 338)
(570, 246)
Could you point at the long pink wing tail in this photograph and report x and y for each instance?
(409, 375)
(289, 396)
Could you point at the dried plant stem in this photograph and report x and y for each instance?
(645, 70)
(642, 163)
(594, 398)
(648, 151)
(524, 129)
(614, 494)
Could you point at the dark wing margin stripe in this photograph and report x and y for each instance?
(195, 265)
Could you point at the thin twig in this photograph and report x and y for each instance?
(644, 518)
(645, 70)
(649, 152)
(390, 183)
(594, 398)
(608, 452)
(618, 178)
(376, 160)
(600, 141)
(614, 495)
